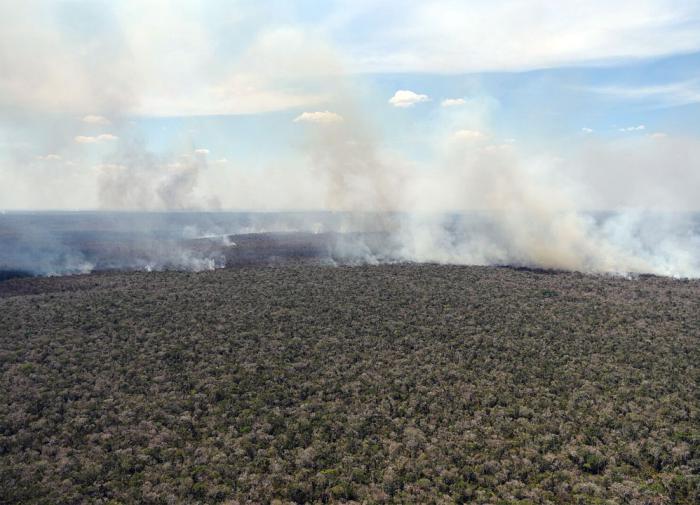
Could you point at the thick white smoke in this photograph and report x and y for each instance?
(479, 201)
(488, 204)
(138, 180)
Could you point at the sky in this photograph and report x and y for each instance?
(299, 105)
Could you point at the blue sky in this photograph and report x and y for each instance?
(221, 88)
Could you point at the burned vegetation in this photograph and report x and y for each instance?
(384, 384)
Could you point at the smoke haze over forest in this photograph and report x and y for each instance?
(557, 143)
(350, 251)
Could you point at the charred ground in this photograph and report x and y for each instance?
(393, 383)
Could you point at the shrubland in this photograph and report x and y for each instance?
(368, 384)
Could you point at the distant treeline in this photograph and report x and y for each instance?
(12, 274)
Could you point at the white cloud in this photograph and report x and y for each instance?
(669, 95)
(239, 94)
(497, 147)
(453, 36)
(49, 157)
(153, 61)
(279, 69)
(203, 152)
(97, 120)
(405, 98)
(632, 128)
(318, 117)
(658, 135)
(105, 137)
(453, 102)
(587, 130)
(469, 135)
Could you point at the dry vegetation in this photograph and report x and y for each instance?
(397, 383)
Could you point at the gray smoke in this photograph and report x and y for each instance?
(535, 212)
(482, 202)
(137, 180)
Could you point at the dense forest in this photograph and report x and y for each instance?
(367, 384)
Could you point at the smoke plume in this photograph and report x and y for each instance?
(81, 95)
(137, 180)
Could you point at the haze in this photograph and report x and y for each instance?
(527, 110)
